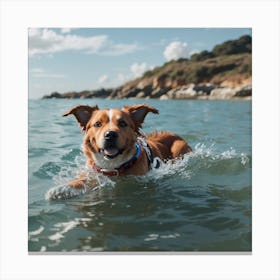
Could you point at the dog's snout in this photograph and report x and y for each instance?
(111, 136)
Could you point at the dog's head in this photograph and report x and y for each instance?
(110, 134)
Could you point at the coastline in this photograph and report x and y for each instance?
(206, 91)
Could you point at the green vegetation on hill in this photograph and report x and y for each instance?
(241, 45)
(231, 58)
(217, 68)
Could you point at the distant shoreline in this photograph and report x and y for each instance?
(191, 91)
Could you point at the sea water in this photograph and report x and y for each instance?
(200, 203)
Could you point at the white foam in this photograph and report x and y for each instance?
(61, 190)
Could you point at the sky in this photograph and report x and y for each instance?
(76, 59)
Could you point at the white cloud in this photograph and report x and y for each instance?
(138, 69)
(176, 50)
(41, 73)
(43, 41)
(194, 51)
(46, 41)
(50, 75)
(112, 49)
(103, 79)
(121, 78)
(115, 81)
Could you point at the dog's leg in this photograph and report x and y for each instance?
(78, 183)
(74, 188)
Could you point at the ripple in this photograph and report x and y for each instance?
(238, 195)
(47, 170)
(37, 152)
(71, 155)
(221, 223)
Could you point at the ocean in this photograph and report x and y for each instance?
(202, 203)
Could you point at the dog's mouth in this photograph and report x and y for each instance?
(108, 152)
(111, 152)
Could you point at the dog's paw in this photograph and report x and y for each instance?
(63, 192)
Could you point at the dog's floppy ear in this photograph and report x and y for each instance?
(82, 113)
(139, 112)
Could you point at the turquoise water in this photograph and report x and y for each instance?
(202, 203)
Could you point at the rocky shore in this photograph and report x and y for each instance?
(192, 91)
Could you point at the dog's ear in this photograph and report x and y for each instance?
(139, 112)
(82, 114)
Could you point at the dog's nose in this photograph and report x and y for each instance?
(110, 135)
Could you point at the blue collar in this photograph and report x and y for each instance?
(131, 162)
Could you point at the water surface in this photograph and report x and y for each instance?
(202, 203)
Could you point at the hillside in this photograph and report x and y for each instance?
(223, 73)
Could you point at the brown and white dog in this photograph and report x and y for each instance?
(114, 145)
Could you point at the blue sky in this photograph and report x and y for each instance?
(71, 59)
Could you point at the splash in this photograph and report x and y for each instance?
(61, 190)
(204, 159)
(204, 152)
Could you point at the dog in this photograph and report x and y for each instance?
(114, 145)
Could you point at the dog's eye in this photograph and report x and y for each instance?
(97, 124)
(122, 123)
